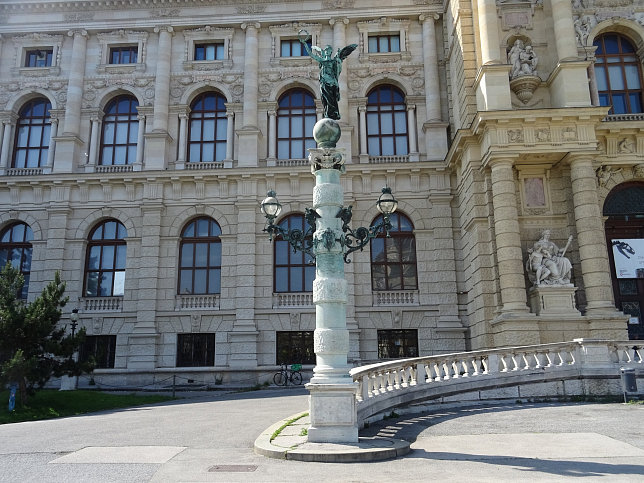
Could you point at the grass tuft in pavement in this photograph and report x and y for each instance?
(48, 404)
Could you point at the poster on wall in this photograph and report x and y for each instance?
(628, 254)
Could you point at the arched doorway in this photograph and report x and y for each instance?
(624, 209)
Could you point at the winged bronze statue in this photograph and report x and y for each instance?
(330, 68)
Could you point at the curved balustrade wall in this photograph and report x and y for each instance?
(580, 367)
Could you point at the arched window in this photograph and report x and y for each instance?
(295, 120)
(105, 262)
(120, 131)
(208, 124)
(32, 135)
(15, 247)
(200, 258)
(618, 74)
(294, 272)
(393, 259)
(386, 122)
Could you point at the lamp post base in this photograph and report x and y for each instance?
(333, 413)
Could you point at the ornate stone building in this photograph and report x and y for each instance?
(138, 138)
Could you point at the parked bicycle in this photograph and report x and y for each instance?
(286, 375)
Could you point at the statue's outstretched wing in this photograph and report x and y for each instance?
(344, 52)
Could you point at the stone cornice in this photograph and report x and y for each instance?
(66, 6)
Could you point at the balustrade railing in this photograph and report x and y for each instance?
(395, 297)
(492, 368)
(292, 162)
(388, 159)
(115, 168)
(199, 166)
(24, 171)
(102, 304)
(197, 302)
(295, 299)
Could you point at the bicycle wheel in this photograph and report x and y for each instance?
(296, 378)
(280, 378)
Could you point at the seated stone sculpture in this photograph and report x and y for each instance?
(546, 263)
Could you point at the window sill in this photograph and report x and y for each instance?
(102, 304)
(292, 300)
(395, 297)
(197, 302)
(302, 61)
(207, 64)
(384, 57)
(53, 70)
(120, 68)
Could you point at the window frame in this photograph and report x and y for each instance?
(132, 125)
(220, 117)
(383, 27)
(395, 234)
(43, 149)
(290, 42)
(601, 65)
(49, 57)
(208, 35)
(107, 350)
(387, 338)
(119, 51)
(379, 37)
(298, 115)
(384, 108)
(281, 244)
(102, 243)
(122, 39)
(290, 32)
(290, 337)
(194, 240)
(218, 48)
(32, 42)
(22, 245)
(192, 339)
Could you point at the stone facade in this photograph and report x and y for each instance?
(488, 166)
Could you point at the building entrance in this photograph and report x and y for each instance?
(624, 209)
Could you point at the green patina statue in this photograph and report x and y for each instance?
(330, 68)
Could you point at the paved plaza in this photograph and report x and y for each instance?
(209, 437)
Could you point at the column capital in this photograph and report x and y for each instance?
(577, 158)
(362, 108)
(230, 114)
(340, 20)
(251, 25)
(411, 107)
(428, 16)
(141, 117)
(75, 32)
(500, 161)
(272, 113)
(163, 28)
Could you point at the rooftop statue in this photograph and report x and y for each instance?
(330, 68)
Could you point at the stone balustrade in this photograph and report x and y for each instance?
(197, 302)
(293, 299)
(24, 171)
(388, 159)
(102, 304)
(581, 367)
(395, 297)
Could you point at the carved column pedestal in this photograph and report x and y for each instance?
(557, 300)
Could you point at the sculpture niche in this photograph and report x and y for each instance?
(546, 263)
(524, 78)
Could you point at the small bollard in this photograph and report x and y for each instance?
(629, 382)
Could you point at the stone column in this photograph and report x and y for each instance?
(6, 144)
(508, 238)
(230, 138)
(143, 339)
(591, 238)
(183, 140)
(53, 132)
(249, 132)
(364, 152)
(69, 145)
(569, 81)
(95, 128)
(272, 138)
(411, 126)
(140, 143)
(434, 128)
(492, 82)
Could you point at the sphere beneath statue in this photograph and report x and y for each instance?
(326, 133)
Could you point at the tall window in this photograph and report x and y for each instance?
(295, 347)
(395, 344)
(393, 259)
(295, 120)
(105, 262)
(120, 131)
(15, 247)
(32, 135)
(387, 122)
(208, 123)
(195, 350)
(618, 74)
(99, 348)
(294, 272)
(200, 258)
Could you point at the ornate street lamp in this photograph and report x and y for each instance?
(74, 318)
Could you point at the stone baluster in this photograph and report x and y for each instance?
(508, 237)
(591, 238)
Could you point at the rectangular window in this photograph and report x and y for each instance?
(384, 43)
(213, 51)
(195, 350)
(396, 344)
(124, 55)
(293, 48)
(39, 58)
(295, 347)
(99, 348)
